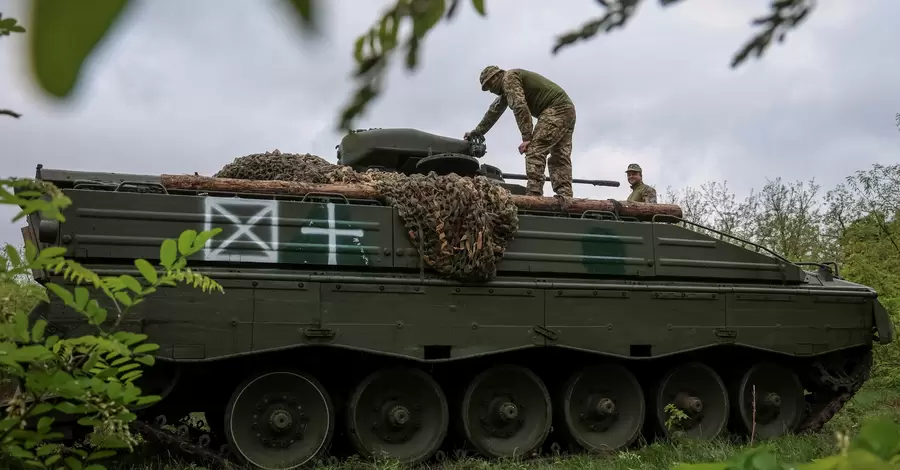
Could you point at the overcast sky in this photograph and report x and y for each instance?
(185, 86)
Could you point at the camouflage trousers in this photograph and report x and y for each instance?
(552, 135)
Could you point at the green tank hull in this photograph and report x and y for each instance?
(334, 338)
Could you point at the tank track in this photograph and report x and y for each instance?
(182, 443)
(841, 384)
(836, 384)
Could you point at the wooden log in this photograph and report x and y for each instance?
(577, 206)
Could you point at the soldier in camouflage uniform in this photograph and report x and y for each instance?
(530, 94)
(640, 192)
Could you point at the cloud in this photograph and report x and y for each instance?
(189, 86)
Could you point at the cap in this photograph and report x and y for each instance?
(487, 74)
(634, 167)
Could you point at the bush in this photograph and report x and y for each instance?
(91, 376)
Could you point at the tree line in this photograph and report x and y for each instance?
(855, 224)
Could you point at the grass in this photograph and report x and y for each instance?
(871, 401)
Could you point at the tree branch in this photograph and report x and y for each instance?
(10, 112)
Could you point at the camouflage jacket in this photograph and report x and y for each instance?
(527, 94)
(642, 193)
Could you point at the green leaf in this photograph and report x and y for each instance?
(21, 326)
(204, 237)
(147, 399)
(358, 49)
(71, 408)
(307, 11)
(19, 452)
(13, 255)
(130, 376)
(62, 293)
(118, 362)
(40, 409)
(88, 421)
(146, 360)
(107, 373)
(8, 423)
(128, 338)
(123, 298)
(82, 296)
(479, 7)
(131, 283)
(63, 35)
(114, 390)
(168, 251)
(30, 252)
(880, 437)
(50, 253)
(37, 331)
(101, 454)
(44, 423)
(34, 352)
(145, 348)
(73, 463)
(52, 459)
(95, 467)
(146, 269)
(186, 241)
(91, 361)
(429, 18)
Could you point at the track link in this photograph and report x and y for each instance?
(183, 444)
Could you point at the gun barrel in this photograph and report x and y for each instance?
(612, 184)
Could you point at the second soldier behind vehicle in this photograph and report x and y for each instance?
(640, 191)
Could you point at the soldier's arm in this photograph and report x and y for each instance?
(495, 110)
(650, 195)
(515, 95)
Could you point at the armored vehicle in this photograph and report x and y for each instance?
(335, 337)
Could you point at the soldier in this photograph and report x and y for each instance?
(640, 192)
(530, 94)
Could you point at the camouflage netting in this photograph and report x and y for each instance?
(466, 223)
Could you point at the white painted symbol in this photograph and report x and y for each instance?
(332, 233)
(263, 209)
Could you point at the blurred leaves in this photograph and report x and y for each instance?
(9, 26)
(63, 35)
(66, 33)
(784, 15)
(307, 12)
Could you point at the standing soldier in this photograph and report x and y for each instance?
(640, 192)
(530, 94)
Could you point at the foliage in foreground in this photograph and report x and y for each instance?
(877, 446)
(66, 33)
(92, 376)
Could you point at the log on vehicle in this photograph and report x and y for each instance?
(641, 211)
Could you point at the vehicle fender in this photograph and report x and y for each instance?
(883, 323)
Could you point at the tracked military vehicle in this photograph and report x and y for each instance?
(335, 338)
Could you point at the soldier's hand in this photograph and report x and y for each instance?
(523, 146)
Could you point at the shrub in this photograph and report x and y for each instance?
(91, 376)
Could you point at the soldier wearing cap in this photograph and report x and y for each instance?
(640, 192)
(529, 95)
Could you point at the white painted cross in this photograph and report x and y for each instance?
(332, 233)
